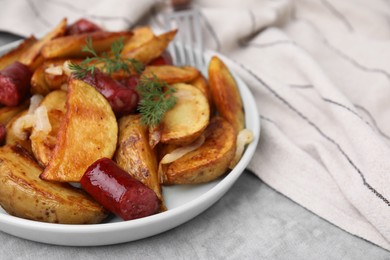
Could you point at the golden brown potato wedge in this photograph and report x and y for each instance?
(38, 82)
(42, 142)
(32, 57)
(134, 154)
(88, 132)
(209, 161)
(201, 83)
(12, 139)
(225, 93)
(141, 35)
(7, 113)
(188, 118)
(14, 55)
(171, 74)
(71, 46)
(24, 195)
(151, 49)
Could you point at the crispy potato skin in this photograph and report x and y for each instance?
(14, 55)
(43, 143)
(225, 93)
(24, 195)
(209, 161)
(141, 35)
(32, 57)
(71, 46)
(188, 118)
(151, 49)
(134, 154)
(88, 132)
(171, 74)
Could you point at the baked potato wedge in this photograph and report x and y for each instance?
(151, 49)
(209, 161)
(23, 194)
(42, 142)
(140, 36)
(171, 74)
(188, 118)
(88, 132)
(38, 82)
(134, 154)
(14, 55)
(32, 57)
(71, 46)
(225, 93)
(201, 83)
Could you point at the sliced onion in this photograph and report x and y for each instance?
(54, 70)
(42, 122)
(179, 152)
(23, 125)
(66, 69)
(35, 100)
(244, 137)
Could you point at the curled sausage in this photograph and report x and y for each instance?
(14, 84)
(119, 192)
(123, 100)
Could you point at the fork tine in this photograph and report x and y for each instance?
(187, 48)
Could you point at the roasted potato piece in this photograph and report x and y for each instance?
(225, 93)
(201, 83)
(209, 161)
(188, 118)
(88, 132)
(32, 57)
(24, 195)
(171, 74)
(12, 139)
(7, 113)
(151, 49)
(43, 143)
(141, 35)
(71, 46)
(134, 154)
(38, 82)
(14, 55)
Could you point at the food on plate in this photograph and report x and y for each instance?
(206, 163)
(110, 111)
(15, 54)
(119, 192)
(188, 118)
(171, 74)
(135, 155)
(24, 194)
(89, 131)
(15, 84)
(43, 141)
(225, 93)
(32, 57)
(151, 49)
(69, 46)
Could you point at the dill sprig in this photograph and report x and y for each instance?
(110, 63)
(156, 98)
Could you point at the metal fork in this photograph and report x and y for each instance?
(187, 47)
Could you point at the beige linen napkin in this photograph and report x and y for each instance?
(320, 72)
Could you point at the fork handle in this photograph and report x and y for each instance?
(180, 4)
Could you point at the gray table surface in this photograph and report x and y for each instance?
(252, 221)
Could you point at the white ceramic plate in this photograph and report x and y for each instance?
(183, 202)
